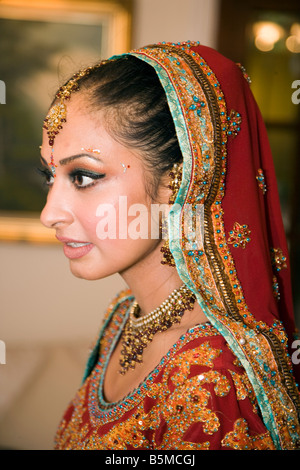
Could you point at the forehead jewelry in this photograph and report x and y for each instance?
(52, 164)
(57, 114)
(90, 150)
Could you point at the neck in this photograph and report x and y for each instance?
(151, 282)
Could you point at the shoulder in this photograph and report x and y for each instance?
(122, 300)
(111, 323)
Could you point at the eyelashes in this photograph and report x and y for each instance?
(46, 175)
(81, 178)
(84, 178)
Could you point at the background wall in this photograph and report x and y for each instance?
(49, 318)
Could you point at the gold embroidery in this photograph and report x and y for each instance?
(239, 438)
(180, 401)
(244, 388)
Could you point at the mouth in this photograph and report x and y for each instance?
(76, 244)
(75, 249)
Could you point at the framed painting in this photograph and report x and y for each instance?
(41, 45)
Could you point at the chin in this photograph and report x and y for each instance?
(88, 272)
(84, 272)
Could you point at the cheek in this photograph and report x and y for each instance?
(120, 223)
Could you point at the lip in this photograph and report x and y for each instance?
(74, 252)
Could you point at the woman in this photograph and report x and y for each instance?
(195, 354)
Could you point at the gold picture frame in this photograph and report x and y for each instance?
(113, 19)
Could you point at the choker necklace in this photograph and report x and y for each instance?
(139, 330)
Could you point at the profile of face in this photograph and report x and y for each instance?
(97, 192)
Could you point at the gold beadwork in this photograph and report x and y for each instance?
(278, 259)
(174, 184)
(139, 331)
(54, 120)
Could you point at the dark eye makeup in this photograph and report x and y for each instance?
(84, 178)
(81, 178)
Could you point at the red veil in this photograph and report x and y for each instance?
(240, 270)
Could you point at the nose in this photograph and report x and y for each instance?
(57, 211)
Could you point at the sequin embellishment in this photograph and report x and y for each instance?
(261, 181)
(239, 236)
(278, 259)
(245, 74)
(233, 123)
(275, 287)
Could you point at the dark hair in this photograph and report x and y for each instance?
(136, 111)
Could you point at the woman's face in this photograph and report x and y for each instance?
(92, 199)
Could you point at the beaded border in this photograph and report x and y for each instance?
(106, 412)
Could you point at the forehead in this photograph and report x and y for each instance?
(70, 119)
(83, 132)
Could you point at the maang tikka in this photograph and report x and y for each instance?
(174, 185)
(57, 114)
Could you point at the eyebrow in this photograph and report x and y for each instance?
(67, 160)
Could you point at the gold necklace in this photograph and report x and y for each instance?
(139, 331)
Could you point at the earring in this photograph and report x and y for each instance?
(175, 181)
(174, 185)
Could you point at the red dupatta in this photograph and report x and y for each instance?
(240, 270)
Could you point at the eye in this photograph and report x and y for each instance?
(47, 175)
(84, 178)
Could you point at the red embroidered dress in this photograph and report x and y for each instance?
(198, 397)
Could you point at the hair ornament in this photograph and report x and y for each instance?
(57, 114)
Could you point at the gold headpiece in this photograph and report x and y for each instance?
(58, 112)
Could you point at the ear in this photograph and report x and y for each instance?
(164, 191)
